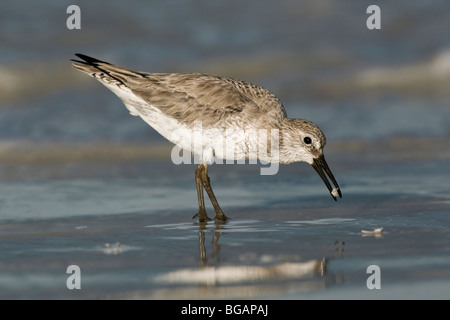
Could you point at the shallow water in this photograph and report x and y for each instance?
(84, 183)
(286, 238)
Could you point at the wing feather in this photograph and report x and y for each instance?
(191, 96)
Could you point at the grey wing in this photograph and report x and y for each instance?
(190, 97)
(187, 97)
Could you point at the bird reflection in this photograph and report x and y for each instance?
(211, 271)
(214, 243)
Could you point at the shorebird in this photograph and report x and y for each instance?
(227, 109)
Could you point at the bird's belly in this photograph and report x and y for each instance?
(237, 144)
(230, 146)
(227, 142)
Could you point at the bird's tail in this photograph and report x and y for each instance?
(105, 72)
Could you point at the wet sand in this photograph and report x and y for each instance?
(295, 253)
(133, 238)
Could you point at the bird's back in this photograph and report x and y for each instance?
(187, 97)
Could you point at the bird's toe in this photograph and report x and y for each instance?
(202, 216)
(221, 218)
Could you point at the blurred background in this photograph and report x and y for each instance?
(367, 89)
(83, 182)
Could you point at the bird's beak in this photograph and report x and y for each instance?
(321, 166)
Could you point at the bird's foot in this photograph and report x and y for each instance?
(202, 216)
(221, 218)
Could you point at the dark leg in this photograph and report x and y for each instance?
(201, 215)
(206, 184)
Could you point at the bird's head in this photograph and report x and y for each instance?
(306, 143)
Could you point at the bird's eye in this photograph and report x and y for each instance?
(307, 140)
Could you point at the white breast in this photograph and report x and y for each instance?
(230, 143)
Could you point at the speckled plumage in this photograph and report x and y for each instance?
(173, 103)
